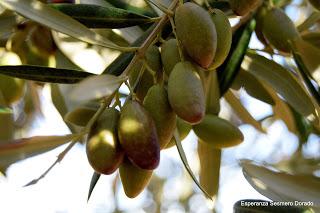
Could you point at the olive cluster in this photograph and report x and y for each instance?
(168, 94)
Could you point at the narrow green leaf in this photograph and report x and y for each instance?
(282, 186)
(281, 80)
(60, 103)
(44, 74)
(229, 69)
(212, 94)
(312, 37)
(80, 116)
(306, 72)
(304, 127)
(8, 21)
(13, 151)
(221, 5)
(306, 57)
(123, 60)
(210, 161)
(126, 6)
(253, 86)
(309, 22)
(45, 15)
(94, 180)
(2, 100)
(242, 112)
(58, 100)
(63, 62)
(309, 55)
(6, 124)
(186, 164)
(94, 16)
(281, 110)
(96, 87)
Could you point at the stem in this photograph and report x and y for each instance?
(141, 71)
(161, 7)
(130, 88)
(153, 35)
(208, 6)
(149, 69)
(173, 26)
(74, 141)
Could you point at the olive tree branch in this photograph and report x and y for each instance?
(61, 156)
(153, 35)
(160, 7)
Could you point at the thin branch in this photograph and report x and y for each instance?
(161, 7)
(58, 160)
(74, 141)
(153, 35)
(173, 26)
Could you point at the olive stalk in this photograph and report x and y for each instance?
(173, 26)
(208, 6)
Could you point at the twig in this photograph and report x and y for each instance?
(153, 35)
(173, 26)
(160, 7)
(74, 141)
(59, 159)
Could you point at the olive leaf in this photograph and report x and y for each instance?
(227, 72)
(283, 81)
(123, 60)
(47, 16)
(96, 87)
(282, 111)
(94, 180)
(312, 37)
(311, 20)
(210, 160)
(305, 68)
(282, 186)
(241, 111)
(212, 93)
(2, 100)
(310, 56)
(44, 74)
(304, 127)
(186, 164)
(80, 116)
(58, 99)
(60, 104)
(6, 124)
(94, 16)
(126, 6)
(19, 149)
(253, 87)
(7, 21)
(221, 5)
